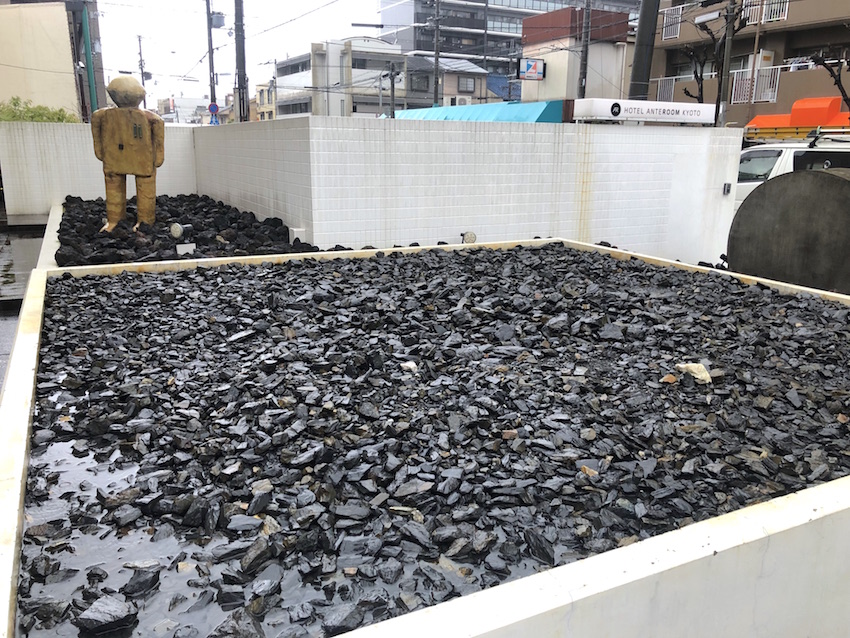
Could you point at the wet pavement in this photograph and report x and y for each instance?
(8, 325)
(19, 249)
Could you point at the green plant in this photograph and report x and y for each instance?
(18, 110)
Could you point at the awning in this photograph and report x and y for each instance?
(493, 112)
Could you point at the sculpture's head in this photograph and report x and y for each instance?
(126, 91)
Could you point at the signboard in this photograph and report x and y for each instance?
(531, 69)
(605, 110)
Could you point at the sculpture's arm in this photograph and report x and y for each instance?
(97, 133)
(158, 138)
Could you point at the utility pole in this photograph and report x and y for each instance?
(727, 60)
(392, 89)
(436, 52)
(753, 65)
(486, 6)
(381, 92)
(241, 78)
(644, 44)
(585, 52)
(142, 69)
(210, 54)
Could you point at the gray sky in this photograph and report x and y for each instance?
(174, 38)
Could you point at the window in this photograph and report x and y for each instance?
(419, 82)
(755, 166)
(358, 63)
(504, 24)
(815, 160)
(465, 85)
(261, 97)
(295, 67)
(297, 107)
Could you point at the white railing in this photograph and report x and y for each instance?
(766, 88)
(666, 89)
(770, 10)
(672, 22)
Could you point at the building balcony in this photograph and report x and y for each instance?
(679, 25)
(772, 90)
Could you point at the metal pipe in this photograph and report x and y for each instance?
(89, 63)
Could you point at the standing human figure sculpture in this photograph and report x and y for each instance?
(129, 141)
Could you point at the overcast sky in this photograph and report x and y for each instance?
(174, 38)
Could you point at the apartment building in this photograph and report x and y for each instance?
(265, 101)
(771, 66)
(351, 77)
(486, 32)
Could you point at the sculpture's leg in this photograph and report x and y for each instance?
(146, 200)
(116, 200)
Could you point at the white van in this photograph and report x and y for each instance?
(765, 161)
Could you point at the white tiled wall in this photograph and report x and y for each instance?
(657, 190)
(263, 167)
(42, 163)
(358, 182)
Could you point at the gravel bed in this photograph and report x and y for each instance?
(302, 449)
(218, 230)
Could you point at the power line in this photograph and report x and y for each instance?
(29, 68)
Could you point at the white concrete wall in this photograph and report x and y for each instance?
(263, 167)
(42, 163)
(35, 49)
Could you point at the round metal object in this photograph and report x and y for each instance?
(795, 228)
(178, 231)
(469, 237)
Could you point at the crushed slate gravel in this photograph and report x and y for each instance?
(305, 448)
(216, 230)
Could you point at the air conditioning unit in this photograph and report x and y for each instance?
(454, 100)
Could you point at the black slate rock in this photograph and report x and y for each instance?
(396, 431)
(342, 618)
(107, 614)
(219, 231)
(239, 624)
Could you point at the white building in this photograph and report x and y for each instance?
(556, 39)
(350, 77)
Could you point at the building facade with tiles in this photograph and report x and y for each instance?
(771, 56)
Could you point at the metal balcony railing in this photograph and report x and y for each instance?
(770, 10)
(672, 23)
(764, 89)
(666, 87)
